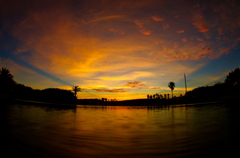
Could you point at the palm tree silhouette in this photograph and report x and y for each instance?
(76, 89)
(161, 96)
(154, 96)
(171, 85)
(157, 96)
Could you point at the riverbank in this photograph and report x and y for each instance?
(161, 102)
(50, 104)
(136, 102)
(7, 101)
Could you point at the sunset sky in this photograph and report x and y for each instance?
(123, 49)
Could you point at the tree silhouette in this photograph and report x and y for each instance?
(157, 96)
(4, 72)
(171, 85)
(76, 89)
(150, 97)
(154, 96)
(161, 96)
(233, 78)
(57, 95)
(6, 81)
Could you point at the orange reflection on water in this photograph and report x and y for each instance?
(121, 131)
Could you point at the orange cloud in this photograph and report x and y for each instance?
(184, 40)
(135, 84)
(145, 32)
(111, 90)
(139, 23)
(126, 76)
(116, 31)
(176, 45)
(156, 18)
(201, 26)
(200, 23)
(188, 51)
(106, 18)
(180, 31)
(141, 28)
(138, 85)
(164, 47)
(165, 26)
(200, 39)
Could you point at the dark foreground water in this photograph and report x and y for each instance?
(108, 131)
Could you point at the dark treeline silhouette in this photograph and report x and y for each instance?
(171, 85)
(7, 84)
(10, 89)
(158, 96)
(54, 95)
(229, 88)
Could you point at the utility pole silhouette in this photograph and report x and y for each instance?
(185, 84)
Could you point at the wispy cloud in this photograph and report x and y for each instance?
(141, 28)
(116, 31)
(157, 18)
(180, 31)
(107, 18)
(184, 39)
(110, 90)
(200, 23)
(145, 32)
(139, 23)
(138, 85)
(165, 26)
(126, 76)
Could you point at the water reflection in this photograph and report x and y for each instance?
(120, 131)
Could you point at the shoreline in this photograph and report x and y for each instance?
(136, 102)
(40, 103)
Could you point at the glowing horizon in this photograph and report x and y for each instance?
(121, 49)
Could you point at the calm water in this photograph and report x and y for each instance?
(108, 131)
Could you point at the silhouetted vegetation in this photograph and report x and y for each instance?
(10, 89)
(171, 85)
(7, 83)
(233, 78)
(57, 95)
(75, 90)
(227, 90)
(230, 87)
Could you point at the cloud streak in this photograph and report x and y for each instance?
(111, 90)
(138, 85)
(200, 23)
